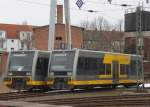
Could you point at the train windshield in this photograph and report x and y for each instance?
(62, 61)
(21, 61)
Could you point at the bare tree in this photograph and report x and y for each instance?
(26, 40)
(119, 26)
(85, 24)
(100, 24)
(100, 21)
(93, 25)
(24, 22)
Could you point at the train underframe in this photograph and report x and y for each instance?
(62, 83)
(25, 83)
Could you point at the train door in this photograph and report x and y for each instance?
(41, 70)
(115, 71)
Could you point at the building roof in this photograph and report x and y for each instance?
(36, 27)
(13, 30)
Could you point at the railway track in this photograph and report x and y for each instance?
(15, 95)
(18, 95)
(122, 100)
(101, 100)
(26, 94)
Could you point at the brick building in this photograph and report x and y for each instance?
(15, 37)
(41, 37)
(41, 34)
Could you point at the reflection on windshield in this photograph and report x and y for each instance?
(62, 61)
(19, 62)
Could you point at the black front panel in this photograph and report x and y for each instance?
(21, 62)
(61, 73)
(62, 62)
(16, 73)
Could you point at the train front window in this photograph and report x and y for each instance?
(21, 62)
(62, 61)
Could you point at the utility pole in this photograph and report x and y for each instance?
(139, 39)
(51, 37)
(67, 24)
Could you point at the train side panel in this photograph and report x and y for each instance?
(104, 69)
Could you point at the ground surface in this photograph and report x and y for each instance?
(3, 88)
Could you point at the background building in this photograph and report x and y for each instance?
(41, 37)
(12, 38)
(131, 35)
(112, 41)
(15, 37)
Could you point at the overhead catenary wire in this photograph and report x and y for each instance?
(32, 2)
(75, 9)
(103, 3)
(86, 10)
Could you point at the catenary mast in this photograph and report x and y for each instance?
(51, 37)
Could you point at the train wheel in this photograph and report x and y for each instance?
(114, 86)
(71, 88)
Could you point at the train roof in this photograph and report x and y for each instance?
(29, 51)
(107, 52)
(84, 50)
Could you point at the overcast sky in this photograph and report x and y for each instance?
(17, 11)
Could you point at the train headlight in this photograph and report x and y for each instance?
(28, 73)
(69, 73)
(10, 73)
(51, 73)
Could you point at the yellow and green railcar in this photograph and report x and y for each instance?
(86, 68)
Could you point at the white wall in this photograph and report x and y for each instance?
(13, 44)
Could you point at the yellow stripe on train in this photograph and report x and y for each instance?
(92, 82)
(36, 83)
(122, 59)
(8, 82)
(50, 82)
(127, 81)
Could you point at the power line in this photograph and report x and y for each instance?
(86, 10)
(32, 2)
(123, 5)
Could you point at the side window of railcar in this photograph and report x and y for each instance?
(107, 69)
(87, 66)
(104, 69)
(123, 69)
(81, 66)
(101, 66)
(128, 69)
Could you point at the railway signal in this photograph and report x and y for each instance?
(147, 1)
(110, 1)
(79, 3)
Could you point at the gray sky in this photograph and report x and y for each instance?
(16, 11)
